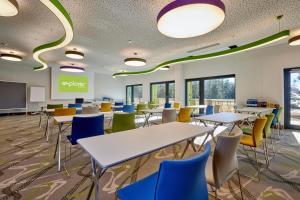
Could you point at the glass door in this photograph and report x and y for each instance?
(162, 92)
(193, 92)
(134, 94)
(292, 98)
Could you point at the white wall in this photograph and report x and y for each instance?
(104, 85)
(259, 73)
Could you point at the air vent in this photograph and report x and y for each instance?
(202, 48)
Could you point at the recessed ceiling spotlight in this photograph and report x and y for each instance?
(135, 62)
(74, 54)
(294, 41)
(9, 8)
(72, 68)
(10, 57)
(190, 18)
(165, 68)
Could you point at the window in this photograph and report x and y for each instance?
(162, 92)
(134, 93)
(217, 91)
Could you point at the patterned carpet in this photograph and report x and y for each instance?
(28, 170)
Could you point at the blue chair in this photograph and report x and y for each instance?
(175, 180)
(83, 127)
(119, 104)
(75, 105)
(168, 105)
(275, 112)
(209, 110)
(128, 108)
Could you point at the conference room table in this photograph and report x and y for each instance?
(196, 107)
(258, 111)
(60, 120)
(150, 112)
(49, 114)
(135, 144)
(220, 119)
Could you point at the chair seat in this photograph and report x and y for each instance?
(209, 172)
(247, 131)
(108, 131)
(143, 189)
(247, 140)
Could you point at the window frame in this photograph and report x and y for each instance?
(167, 89)
(202, 86)
(132, 92)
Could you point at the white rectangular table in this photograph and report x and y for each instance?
(68, 119)
(222, 118)
(255, 110)
(135, 143)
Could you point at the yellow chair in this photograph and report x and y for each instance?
(106, 107)
(256, 140)
(64, 112)
(184, 115)
(176, 105)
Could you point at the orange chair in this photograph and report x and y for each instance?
(64, 112)
(106, 107)
(176, 105)
(256, 140)
(184, 115)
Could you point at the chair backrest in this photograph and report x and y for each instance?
(128, 108)
(275, 112)
(119, 103)
(224, 157)
(53, 106)
(257, 131)
(169, 115)
(74, 105)
(123, 122)
(151, 105)
(267, 128)
(139, 107)
(209, 110)
(183, 179)
(83, 127)
(168, 105)
(177, 105)
(184, 115)
(64, 111)
(90, 110)
(106, 107)
(279, 115)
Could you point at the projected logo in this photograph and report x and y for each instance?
(73, 83)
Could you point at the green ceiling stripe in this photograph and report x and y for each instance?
(245, 47)
(61, 9)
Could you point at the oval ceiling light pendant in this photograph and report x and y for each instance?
(165, 68)
(11, 57)
(9, 8)
(294, 41)
(74, 55)
(73, 69)
(190, 18)
(135, 62)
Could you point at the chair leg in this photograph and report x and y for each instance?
(216, 193)
(266, 152)
(272, 143)
(239, 178)
(257, 163)
(65, 160)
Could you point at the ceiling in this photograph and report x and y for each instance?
(103, 28)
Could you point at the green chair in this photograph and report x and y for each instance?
(139, 107)
(53, 106)
(122, 122)
(151, 105)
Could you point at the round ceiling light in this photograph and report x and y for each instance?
(190, 18)
(10, 57)
(74, 55)
(294, 41)
(8, 8)
(135, 62)
(165, 68)
(73, 69)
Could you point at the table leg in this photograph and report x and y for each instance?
(40, 121)
(58, 145)
(46, 129)
(135, 170)
(147, 120)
